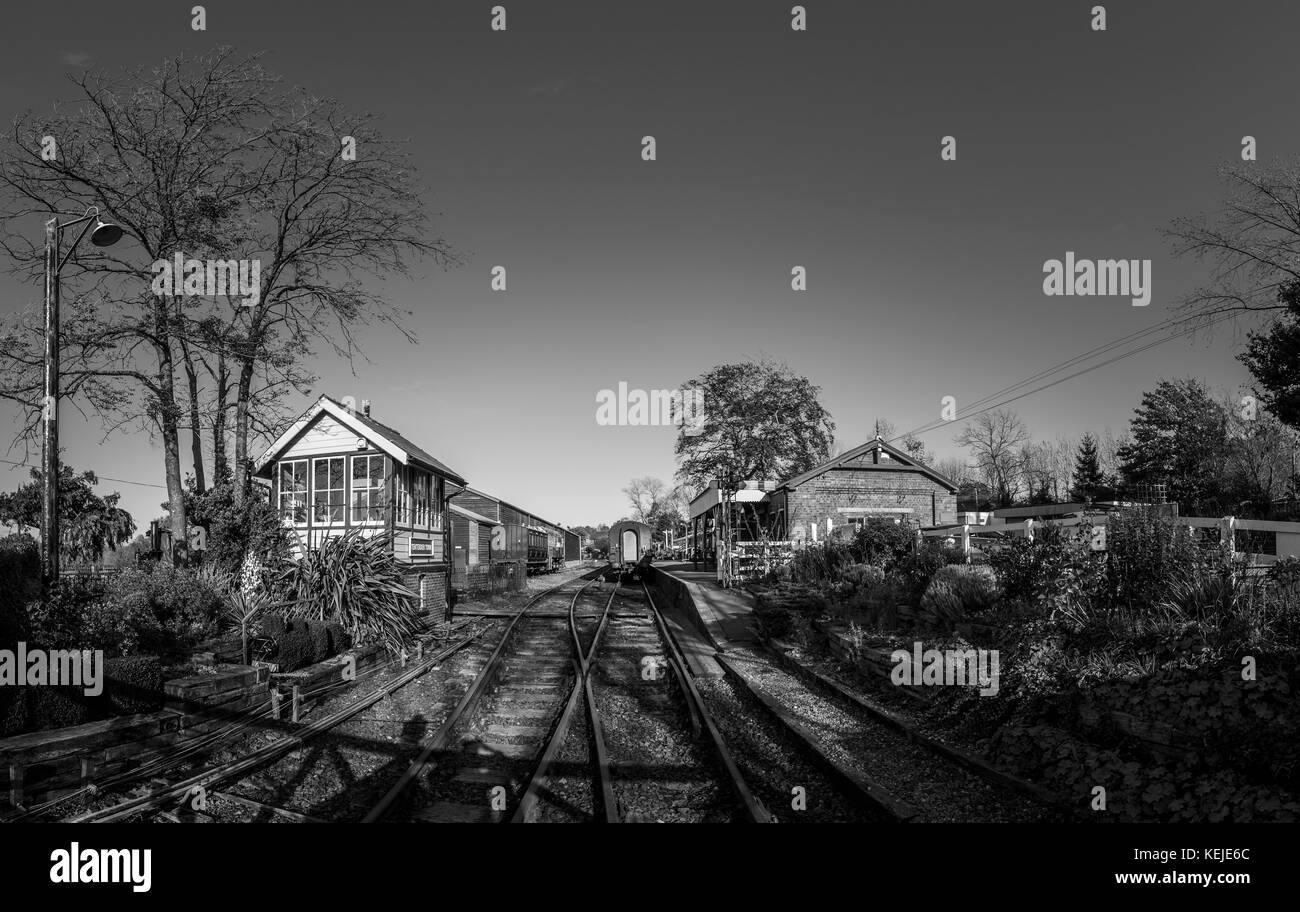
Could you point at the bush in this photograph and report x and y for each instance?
(237, 529)
(821, 563)
(958, 591)
(302, 642)
(133, 684)
(883, 542)
(57, 707)
(186, 605)
(354, 580)
(861, 576)
(916, 568)
(20, 583)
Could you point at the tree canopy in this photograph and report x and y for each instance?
(89, 524)
(761, 421)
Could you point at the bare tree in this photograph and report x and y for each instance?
(647, 497)
(955, 470)
(1253, 245)
(209, 157)
(995, 440)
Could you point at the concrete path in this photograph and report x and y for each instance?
(727, 614)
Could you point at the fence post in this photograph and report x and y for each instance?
(1228, 538)
(1029, 530)
(297, 701)
(965, 543)
(275, 703)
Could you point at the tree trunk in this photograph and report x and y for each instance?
(167, 415)
(196, 429)
(243, 477)
(219, 467)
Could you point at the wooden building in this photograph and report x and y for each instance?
(336, 469)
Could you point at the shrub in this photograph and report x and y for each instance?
(1029, 568)
(133, 684)
(238, 529)
(958, 591)
(916, 568)
(354, 580)
(302, 642)
(57, 707)
(861, 576)
(1146, 552)
(186, 605)
(820, 563)
(80, 613)
(20, 583)
(883, 542)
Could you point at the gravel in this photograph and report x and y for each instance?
(940, 790)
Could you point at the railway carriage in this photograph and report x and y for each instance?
(629, 540)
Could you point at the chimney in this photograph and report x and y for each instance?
(365, 407)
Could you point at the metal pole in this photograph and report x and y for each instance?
(50, 409)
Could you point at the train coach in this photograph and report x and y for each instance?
(629, 540)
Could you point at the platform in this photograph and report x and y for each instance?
(727, 614)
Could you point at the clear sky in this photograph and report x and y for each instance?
(775, 149)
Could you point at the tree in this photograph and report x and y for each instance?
(208, 157)
(1038, 470)
(995, 440)
(89, 525)
(1179, 438)
(1273, 358)
(1259, 467)
(646, 496)
(1089, 482)
(1254, 245)
(915, 447)
(761, 421)
(955, 470)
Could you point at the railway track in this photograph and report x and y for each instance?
(173, 797)
(475, 767)
(874, 758)
(653, 748)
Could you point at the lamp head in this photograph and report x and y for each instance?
(105, 234)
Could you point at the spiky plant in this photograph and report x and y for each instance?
(354, 580)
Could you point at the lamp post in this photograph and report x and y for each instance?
(102, 234)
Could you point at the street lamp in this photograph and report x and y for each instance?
(102, 234)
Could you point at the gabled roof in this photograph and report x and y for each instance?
(903, 461)
(381, 436)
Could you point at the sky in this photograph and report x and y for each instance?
(775, 149)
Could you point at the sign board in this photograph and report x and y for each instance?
(421, 546)
(498, 539)
(198, 538)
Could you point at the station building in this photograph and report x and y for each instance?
(833, 499)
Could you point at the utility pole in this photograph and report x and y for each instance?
(102, 235)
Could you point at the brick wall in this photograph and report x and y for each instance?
(435, 587)
(839, 492)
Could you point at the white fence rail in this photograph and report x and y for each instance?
(1287, 534)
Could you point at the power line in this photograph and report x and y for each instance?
(1101, 349)
(98, 477)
